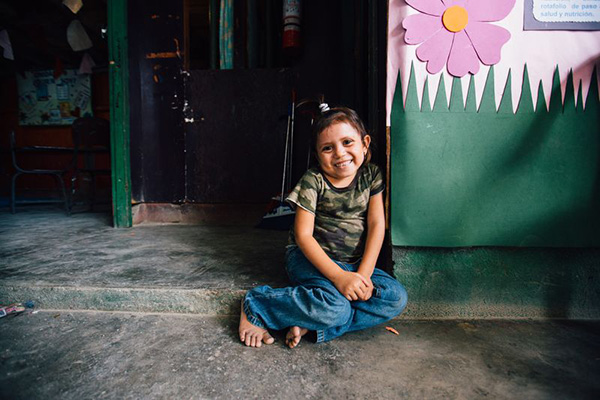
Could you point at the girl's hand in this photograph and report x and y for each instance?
(352, 285)
(369, 292)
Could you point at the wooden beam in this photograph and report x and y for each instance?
(119, 112)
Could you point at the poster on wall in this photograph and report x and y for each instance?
(574, 15)
(45, 100)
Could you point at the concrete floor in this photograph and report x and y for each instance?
(44, 247)
(85, 355)
(196, 275)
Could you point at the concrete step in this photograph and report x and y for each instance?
(222, 302)
(82, 263)
(195, 301)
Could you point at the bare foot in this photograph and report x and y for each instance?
(294, 335)
(252, 335)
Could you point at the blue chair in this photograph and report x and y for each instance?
(58, 174)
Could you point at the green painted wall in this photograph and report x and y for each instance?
(498, 282)
(525, 185)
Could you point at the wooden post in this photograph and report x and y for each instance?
(252, 34)
(119, 112)
(213, 11)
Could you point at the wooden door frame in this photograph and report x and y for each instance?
(378, 13)
(119, 113)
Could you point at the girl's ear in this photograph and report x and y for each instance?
(367, 141)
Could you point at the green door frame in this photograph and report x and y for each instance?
(119, 113)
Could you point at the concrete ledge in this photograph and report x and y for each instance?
(227, 302)
(198, 214)
(196, 301)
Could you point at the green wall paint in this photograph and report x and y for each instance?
(463, 178)
(119, 113)
(500, 282)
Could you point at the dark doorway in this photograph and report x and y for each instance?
(204, 135)
(40, 33)
(235, 129)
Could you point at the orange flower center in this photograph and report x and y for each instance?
(455, 18)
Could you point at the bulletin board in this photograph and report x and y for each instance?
(495, 129)
(46, 100)
(575, 15)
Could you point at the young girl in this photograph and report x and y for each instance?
(334, 245)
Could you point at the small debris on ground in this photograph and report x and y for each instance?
(389, 328)
(15, 308)
(467, 327)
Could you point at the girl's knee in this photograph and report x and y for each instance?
(390, 289)
(396, 296)
(334, 310)
(402, 298)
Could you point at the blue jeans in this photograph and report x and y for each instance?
(314, 302)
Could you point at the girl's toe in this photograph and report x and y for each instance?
(268, 339)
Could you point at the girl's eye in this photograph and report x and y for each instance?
(348, 142)
(326, 148)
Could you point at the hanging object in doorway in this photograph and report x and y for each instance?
(292, 17)
(73, 5)
(87, 63)
(77, 36)
(6, 45)
(226, 35)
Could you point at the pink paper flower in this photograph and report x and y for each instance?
(457, 33)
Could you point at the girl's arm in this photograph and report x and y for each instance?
(350, 284)
(375, 235)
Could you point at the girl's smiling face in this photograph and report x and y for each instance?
(341, 152)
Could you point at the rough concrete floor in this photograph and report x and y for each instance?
(83, 355)
(44, 247)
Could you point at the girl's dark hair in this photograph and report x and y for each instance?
(338, 115)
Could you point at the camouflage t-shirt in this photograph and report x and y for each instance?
(340, 213)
